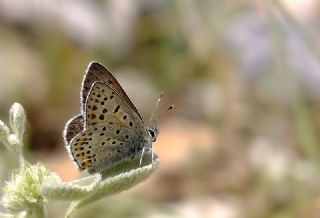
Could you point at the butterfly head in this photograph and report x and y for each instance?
(153, 133)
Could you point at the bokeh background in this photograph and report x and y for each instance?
(244, 76)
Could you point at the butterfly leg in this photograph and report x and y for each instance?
(152, 156)
(142, 153)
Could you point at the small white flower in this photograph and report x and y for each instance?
(17, 120)
(22, 191)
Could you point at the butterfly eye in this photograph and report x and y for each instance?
(153, 133)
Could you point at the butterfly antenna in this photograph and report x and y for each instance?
(159, 117)
(153, 116)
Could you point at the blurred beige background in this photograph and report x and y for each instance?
(243, 139)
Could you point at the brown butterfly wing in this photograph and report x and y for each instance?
(73, 127)
(97, 72)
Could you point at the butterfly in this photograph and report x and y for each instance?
(109, 128)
